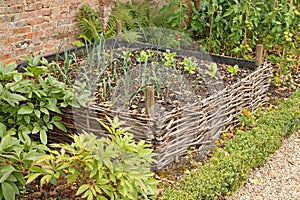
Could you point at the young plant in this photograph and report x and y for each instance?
(212, 70)
(189, 65)
(144, 56)
(169, 58)
(112, 167)
(233, 70)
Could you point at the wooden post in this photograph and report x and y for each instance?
(150, 103)
(259, 55)
(119, 28)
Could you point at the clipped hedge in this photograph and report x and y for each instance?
(228, 168)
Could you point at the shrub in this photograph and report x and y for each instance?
(112, 167)
(15, 159)
(27, 100)
(226, 171)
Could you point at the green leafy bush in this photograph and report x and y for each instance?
(229, 166)
(15, 159)
(112, 167)
(28, 99)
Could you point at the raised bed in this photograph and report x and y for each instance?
(172, 132)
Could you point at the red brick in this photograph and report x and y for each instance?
(33, 35)
(28, 15)
(21, 30)
(17, 9)
(36, 21)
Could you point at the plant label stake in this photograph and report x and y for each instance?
(150, 103)
(259, 55)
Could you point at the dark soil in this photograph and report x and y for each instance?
(168, 97)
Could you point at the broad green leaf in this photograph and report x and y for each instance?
(45, 111)
(6, 171)
(8, 191)
(24, 110)
(31, 177)
(17, 77)
(35, 129)
(2, 129)
(60, 126)
(82, 189)
(46, 118)
(20, 177)
(27, 119)
(35, 169)
(5, 142)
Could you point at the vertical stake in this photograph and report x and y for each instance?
(150, 103)
(259, 55)
(119, 28)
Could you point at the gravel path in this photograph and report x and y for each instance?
(279, 178)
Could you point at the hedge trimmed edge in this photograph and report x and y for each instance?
(228, 168)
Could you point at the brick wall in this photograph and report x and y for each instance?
(42, 26)
(32, 26)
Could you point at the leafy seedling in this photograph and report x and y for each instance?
(189, 65)
(233, 70)
(212, 69)
(169, 58)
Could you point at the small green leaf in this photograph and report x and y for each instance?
(60, 126)
(17, 77)
(43, 136)
(37, 113)
(2, 130)
(82, 189)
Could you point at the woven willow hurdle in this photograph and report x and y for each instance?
(172, 134)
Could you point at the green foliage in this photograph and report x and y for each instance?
(27, 100)
(15, 159)
(189, 65)
(212, 70)
(144, 56)
(90, 24)
(229, 166)
(233, 70)
(131, 15)
(112, 167)
(176, 14)
(169, 58)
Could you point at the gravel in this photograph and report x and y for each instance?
(277, 179)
